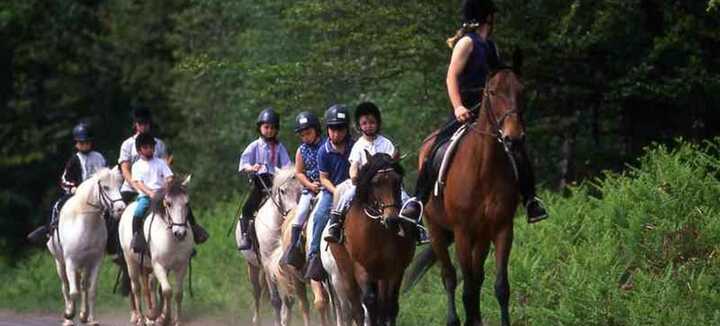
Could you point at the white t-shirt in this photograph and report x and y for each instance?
(129, 153)
(378, 145)
(151, 172)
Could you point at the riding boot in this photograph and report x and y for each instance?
(38, 235)
(412, 210)
(138, 243)
(245, 243)
(526, 181)
(199, 233)
(292, 255)
(336, 227)
(315, 270)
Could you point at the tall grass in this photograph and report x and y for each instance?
(640, 247)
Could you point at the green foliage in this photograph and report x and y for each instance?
(632, 248)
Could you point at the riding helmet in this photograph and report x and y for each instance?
(141, 114)
(337, 116)
(82, 132)
(305, 120)
(367, 108)
(477, 11)
(268, 115)
(144, 139)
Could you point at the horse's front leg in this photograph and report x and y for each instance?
(256, 279)
(179, 280)
(84, 284)
(136, 292)
(91, 290)
(275, 299)
(301, 294)
(503, 245)
(320, 301)
(73, 278)
(440, 243)
(162, 277)
(471, 260)
(64, 285)
(369, 290)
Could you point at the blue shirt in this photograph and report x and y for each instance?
(335, 164)
(309, 152)
(269, 155)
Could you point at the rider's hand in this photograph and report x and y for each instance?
(315, 188)
(73, 190)
(256, 167)
(462, 114)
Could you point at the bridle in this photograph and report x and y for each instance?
(279, 205)
(104, 201)
(171, 221)
(496, 123)
(377, 207)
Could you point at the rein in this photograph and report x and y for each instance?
(104, 202)
(278, 203)
(375, 210)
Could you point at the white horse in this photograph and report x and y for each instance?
(170, 244)
(336, 262)
(78, 243)
(255, 273)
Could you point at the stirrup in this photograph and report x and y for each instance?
(535, 219)
(422, 230)
(331, 236)
(408, 218)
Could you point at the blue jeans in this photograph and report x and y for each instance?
(321, 217)
(143, 203)
(303, 208)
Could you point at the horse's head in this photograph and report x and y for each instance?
(378, 186)
(108, 191)
(171, 203)
(503, 103)
(286, 190)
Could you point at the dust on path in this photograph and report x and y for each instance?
(10, 318)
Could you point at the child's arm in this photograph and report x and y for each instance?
(354, 169)
(300, 173)
(139, 185)
(325, 182)
(247, 159)
(459, 58)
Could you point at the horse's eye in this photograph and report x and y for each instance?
(282, 191)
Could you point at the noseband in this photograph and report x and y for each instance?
(377, 207)
(170, 221)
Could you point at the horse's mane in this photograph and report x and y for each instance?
(86, 188)
(173, 188)
(282, 176)
(377, 162)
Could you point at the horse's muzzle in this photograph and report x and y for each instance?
(180, 234)
(514, 143)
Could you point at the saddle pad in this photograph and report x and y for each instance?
(446, 152)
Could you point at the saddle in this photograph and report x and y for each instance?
(442, 158)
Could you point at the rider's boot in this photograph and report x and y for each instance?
(292, 255)
(526, 182)
(38, 235)
(245, 243)
(315, 270)
(199, 233)
(335, 229)
(535, 210)
(138, 243)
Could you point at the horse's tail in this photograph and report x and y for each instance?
(422, 263)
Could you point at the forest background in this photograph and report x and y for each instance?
(603, 80)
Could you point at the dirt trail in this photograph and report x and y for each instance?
(9, 318)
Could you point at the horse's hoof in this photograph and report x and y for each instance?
(93, 323)
(69, 315)
(68, 322)
(161, 320)
(83, 317)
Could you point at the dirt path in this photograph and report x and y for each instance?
(9, 318)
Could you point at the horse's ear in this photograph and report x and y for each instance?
(187, 180)
(517, 61)
(367, 155)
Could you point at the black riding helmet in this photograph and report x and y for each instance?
(268, 115)
(141, 114)
(305, 120)
(82, 132)
(337, 116)
(144, 139)
(477, 11)
(367, 108)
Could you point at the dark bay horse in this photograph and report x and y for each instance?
(477, 206)
(378, 251)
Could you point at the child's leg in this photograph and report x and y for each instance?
(320, 220)
(303, 208)
(526, 182)
(337, 215)
(138, 243)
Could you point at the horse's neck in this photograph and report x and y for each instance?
(492, 159)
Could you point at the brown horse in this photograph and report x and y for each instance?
(379, 254)
(479, 201)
